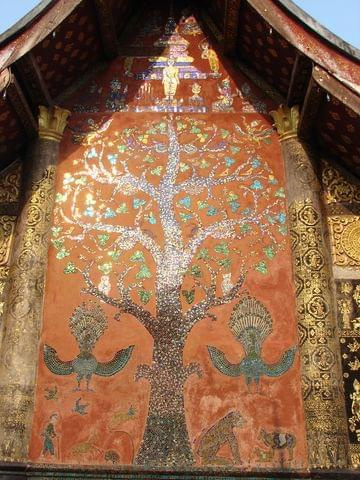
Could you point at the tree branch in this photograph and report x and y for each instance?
(124, 304)
(199, 311)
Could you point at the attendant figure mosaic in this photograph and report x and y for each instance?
(170, 245)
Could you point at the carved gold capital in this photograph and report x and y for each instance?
(286, 121)
(52, 122)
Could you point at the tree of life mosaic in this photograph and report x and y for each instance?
(169, 335)
(165, 209)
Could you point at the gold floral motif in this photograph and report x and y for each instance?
(345, 240)
(321, 377)
(10, 180)
(7, 225)
(355, 455)
(338, 189)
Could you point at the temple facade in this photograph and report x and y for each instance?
(179, 243)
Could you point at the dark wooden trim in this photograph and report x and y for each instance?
(231, 26)
(313, 99)
(337, 89)
(300, 77)
(31, 471)
(107, 27)
(28, 73)
(19, 103)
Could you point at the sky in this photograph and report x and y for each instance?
(342, 17)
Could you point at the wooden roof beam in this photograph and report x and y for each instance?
(17, 99)
(231, 26)
(107, 28)
(309, 112)
(29, 75)
(300, 77)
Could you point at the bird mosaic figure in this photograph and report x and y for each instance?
(87, 324)
(251, 324)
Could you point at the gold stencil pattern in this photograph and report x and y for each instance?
(7, 225)
(22, 317)
(348, 294)
(345, 240)
(10, 184)
(338, 189)
(326, 429)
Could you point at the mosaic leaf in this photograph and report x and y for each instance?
(157, 170)
(114, 254)
(144, 272)
(144, 296)
(55, 231)
(58, 244)
(211, 212)
(196, 271)
(122, 208)
(185, 202)
(255, 162)
(262, 268)
(183, 167)
(103, 239)
(222, 248)
(185, 217)
(151, 218)
(203, 254)
(269, 252)
(280, 193)
(138, 202)
(112, 158)
(138, 256)
(234, 206)
(229, 161)
(257, 185)
(60, 198)
(224, 133)
(70, 268)
(202, 204)
(246, 228)
(189, 295)
(149, 159)
(105, 268)
(225, 263)
(62, 253)
(109, 213)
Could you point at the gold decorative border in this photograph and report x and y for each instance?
(345, 240)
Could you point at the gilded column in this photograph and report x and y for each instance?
(319, 344)
(23, 308)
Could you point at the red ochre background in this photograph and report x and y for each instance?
(83, 439)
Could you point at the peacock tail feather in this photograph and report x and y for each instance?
(251, 323)
(87, 324)
(54, 364)
(121, 358)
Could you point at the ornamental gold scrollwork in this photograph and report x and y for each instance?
(326, 427)
(7, 225)
(337, 189)
(10, 183)
(345, 240)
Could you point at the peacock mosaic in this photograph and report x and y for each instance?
(169, 335)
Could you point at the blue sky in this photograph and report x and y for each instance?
(342, 17)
